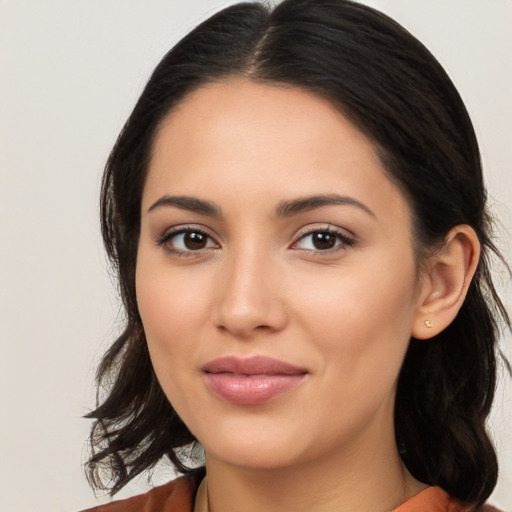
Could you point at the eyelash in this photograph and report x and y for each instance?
(342, 241)
(169, 235)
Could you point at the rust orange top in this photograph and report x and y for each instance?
(178, 496)
(434, 499)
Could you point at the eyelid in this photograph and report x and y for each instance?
(347, 238)
(169, 233)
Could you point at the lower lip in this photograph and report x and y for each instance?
(251, 389)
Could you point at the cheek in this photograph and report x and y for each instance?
(364, 323)
(168, 306)
(170, 302)
(171, 319)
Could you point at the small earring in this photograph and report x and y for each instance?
(428, 324)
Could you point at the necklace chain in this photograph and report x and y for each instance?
(203, 497)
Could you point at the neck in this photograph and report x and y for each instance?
(375, 482)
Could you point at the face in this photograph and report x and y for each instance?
(276, 277)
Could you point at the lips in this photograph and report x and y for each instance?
(251, 381)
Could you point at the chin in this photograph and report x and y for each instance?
(253, 449)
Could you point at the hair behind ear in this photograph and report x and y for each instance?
(445, 392)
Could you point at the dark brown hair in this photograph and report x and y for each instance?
(394, 90)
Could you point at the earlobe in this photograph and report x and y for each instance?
(446, 281)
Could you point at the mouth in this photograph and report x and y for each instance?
(251, 381)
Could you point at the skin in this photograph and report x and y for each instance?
(259, 286)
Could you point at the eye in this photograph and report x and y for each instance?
(187, 240)
(323, 240)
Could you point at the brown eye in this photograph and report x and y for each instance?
(323, 241)
(194, 241)
(187, 241)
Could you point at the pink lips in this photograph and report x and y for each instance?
(251, 381)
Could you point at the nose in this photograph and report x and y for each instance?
(250, 297)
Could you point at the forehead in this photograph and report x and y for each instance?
(241, 113)
(274, 141)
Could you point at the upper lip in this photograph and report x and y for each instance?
(255, 365)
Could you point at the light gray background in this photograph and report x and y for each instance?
(70, 72)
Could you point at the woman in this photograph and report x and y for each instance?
(296, 212)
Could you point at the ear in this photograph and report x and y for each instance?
(445, 282)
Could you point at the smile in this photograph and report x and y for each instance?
(251, 381)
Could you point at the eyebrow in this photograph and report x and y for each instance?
(192, 204)
(296, 206)
(284, 209)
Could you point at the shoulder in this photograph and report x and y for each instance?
(175, 496)
(434, 499)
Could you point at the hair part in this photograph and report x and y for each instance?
(390, 86)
